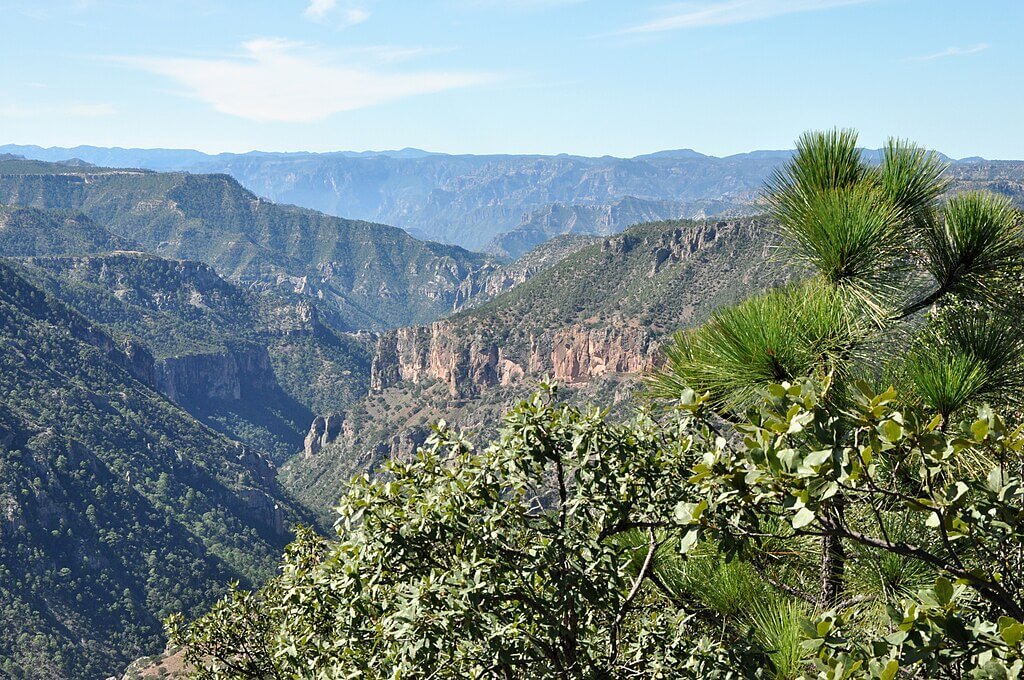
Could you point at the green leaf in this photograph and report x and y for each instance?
(1011, 630)
(943, 590)
(892, 430)
(890, 670)
(688, 540)
(689, 513)
(803, 517)
(816, 458)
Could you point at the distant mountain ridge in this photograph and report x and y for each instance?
(473, 200)
(367, 275)
(559, 219)
(165, 159)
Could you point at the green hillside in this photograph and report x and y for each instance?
(646, 275)
(116, 507)
(367, 275)
(28, 231)
(253, 365)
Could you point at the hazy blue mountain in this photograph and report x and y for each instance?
(538, 226)
(461, 199)
(472, 200)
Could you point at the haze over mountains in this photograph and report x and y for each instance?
(502, 204)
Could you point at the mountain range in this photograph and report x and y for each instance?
(502, 204)
(371, 275)
(592, 319)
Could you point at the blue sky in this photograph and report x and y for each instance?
(619, 77)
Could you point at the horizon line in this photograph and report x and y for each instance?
(411, 149)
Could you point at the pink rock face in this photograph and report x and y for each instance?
(579, 354)
(468, 358)
(468, 363)
(511, 372)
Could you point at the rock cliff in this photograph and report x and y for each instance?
(322, 431)
(593, 322)
(469, 354)
(227, 375)
(468, 364)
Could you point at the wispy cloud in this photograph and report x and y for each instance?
(318, 9)
(699, 15)
(324, 11)
(281, 80)
(953, 52)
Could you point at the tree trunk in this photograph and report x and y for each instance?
(833, 567)
(833, 558)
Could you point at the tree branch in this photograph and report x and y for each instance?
(652, 547)
(990, 590)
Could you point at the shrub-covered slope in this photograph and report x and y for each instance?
(29, 231)
(116, 507)
(253, 365)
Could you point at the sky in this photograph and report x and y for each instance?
(589, 77)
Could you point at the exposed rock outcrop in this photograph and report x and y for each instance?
(215, 376)
(578, 355)
(322, 431)
(261, 505)
(658, 278)
(400, 446)
(467, 364)
(468, 359)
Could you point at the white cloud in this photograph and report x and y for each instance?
(698, 15)
(355, 15)
(324, 10)
(954, 52)
(281, 80)
(318, 9)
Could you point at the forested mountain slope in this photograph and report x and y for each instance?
(116, 507)
(368, 275)
(254, 365)
(29, 231)
(593, 321)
